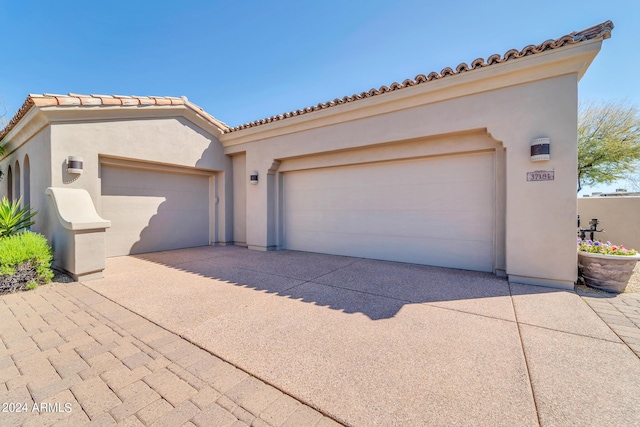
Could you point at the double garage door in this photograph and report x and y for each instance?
(153, 210)
(437, 211)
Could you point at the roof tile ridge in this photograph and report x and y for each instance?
(201, 111)
(76, 99)
(86, 99)
(601, 30)
(22, 111)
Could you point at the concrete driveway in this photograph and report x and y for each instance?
(376, 343)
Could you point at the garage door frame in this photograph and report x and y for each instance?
(485, 144)
(212, 176)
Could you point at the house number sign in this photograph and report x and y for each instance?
(540, 176)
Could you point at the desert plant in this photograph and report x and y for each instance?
(25, 260)
(14, 219)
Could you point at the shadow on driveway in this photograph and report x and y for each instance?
(377, 289)
(381, 343)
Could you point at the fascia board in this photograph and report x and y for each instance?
(39, 117)
(69, 114)
(32, 123)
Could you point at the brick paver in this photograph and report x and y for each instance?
(254, 395)
(84, 360)
(621, 312)
(95, 397)
(170, 386)
(134, 397)
(154, 411)
(303, 416)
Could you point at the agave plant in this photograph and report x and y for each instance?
(14, 219)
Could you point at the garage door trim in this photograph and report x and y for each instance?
(492, 205)
(123, 162)
(207, 210)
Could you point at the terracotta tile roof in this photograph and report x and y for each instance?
(601, 30)
(73, 99)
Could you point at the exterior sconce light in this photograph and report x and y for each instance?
(253, 178)
(74, 165)
(540, 149)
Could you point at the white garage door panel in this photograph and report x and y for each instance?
(153, 210)
(406, 249)
(396, 197)
(438, 225)
(433, 211)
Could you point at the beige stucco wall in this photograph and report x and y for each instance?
(173, 141)
(157, 140)
(618, 216)
(507, 104)
(513, 116)
(38, 150)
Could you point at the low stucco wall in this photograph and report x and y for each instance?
(619, 217)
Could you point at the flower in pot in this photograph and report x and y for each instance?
(606, 266)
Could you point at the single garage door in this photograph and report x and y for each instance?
(436, 211)
(154, 210)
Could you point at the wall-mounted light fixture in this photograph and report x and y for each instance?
(74, 165)
(540, 149)
(253, 178)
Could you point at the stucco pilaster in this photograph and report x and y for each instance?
(541, 215)
(262, 202)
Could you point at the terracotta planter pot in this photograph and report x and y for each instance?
(610, 273)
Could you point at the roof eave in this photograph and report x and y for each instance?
(107, 112)
(31, 123)
(73, 102)
(570, 59)
(38, 117)
(597, 32)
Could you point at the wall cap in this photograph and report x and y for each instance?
(75, 209)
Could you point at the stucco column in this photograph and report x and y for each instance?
(222, 205)
(541, 215)
(262, 202)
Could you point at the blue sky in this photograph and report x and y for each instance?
(245, 60)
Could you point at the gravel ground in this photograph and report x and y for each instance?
(19, 285)
(634, 282)
(60, 277)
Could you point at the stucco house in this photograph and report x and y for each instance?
(471, 168)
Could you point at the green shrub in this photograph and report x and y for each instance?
(25, 258)
(14, 219)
